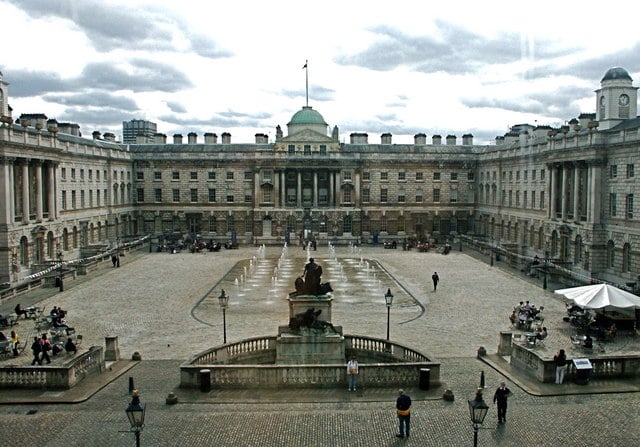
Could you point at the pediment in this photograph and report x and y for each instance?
(306, 136)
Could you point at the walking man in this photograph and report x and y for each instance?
(36, 348)
(500, 397)
(403, 410)
(435, 278)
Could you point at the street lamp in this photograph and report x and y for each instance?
(546, 267)
(477, 411)
(388, 299)
(135, 412)
(223, 299)
(60, 278)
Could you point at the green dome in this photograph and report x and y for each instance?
(307, 116)
(616, 73)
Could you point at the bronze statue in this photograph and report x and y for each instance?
(309, 283)
(309, 319)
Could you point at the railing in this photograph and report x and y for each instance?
(382, 363)
(54, 377)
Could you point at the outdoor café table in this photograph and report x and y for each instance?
(531, 338)
(578, 339)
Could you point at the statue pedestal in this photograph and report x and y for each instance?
(309, 345)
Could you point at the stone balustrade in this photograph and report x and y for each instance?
(54, 377)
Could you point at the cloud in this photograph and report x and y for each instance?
(176, 107)
(143, 76)
(318, 93)
(93, 99)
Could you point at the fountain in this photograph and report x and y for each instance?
(309, 351)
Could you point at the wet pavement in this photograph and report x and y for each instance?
(165, 307)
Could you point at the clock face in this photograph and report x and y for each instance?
(602, 100)
(624, 100)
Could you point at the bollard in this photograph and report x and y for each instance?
(131, 387)
(205, 380)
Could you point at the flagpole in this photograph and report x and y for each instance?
(306, 72)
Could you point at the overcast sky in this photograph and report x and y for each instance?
(404, 67)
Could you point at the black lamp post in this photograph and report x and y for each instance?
(477, 411)
(388, 299)
(223, 299)
(60, 278)
(135, 412)
(546, 267)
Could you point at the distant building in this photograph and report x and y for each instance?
(568, 194)
(138, 131)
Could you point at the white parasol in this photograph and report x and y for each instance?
(599, 296)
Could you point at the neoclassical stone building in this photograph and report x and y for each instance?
(564, 192)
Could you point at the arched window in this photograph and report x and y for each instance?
(626, 257)
(610, 254)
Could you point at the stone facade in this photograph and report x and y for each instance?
(564, 193)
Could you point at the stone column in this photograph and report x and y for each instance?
(576, 192)
(338, 198)
(51, 192)
(299, 189)
(38, 192)
(332, 178)
(356, 182)
(7, 192)
(565, 191)
(25, 191)
(315, 189)
(276, 188)
(553, 192)
(595, 173)
(256, 189)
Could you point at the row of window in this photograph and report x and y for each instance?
(402, 176)
(491, 176)
(489, 197)
(613, 171)
(193, 175)
(628, 205)
(90, 174)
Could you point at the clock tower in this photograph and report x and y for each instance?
(617, 98)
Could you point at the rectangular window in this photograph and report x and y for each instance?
(307, 149)
(402, 196)
(90, 175)
(630, 171)
(175, 175)
(366, 195)
(193, 175)
(115, 175)
(613, 171)
(629, 206)
(517, 176)
(419, 176)
(212, 224)
(346, 176)
(384, 195)
(140, 195)
(419, 196)
(98, 196)
(533, 174)
(73, 174)
(346, 195)
(436, 176)
(524, 198)
(81, 174)
(454, 196)
(229, 175)
(517, 198)
(193, 194)
(212, 194)
(267, 176)
(98, 175)
(248, 195)
(64, 200)
(229, 198)
(248, 175)
(402, 176)
(533, 198)
(542, 174)
(212, 175)
(612, 204)
(157, 175)
(139, 175)
(291, 149)
(73, 200)
(384, 175)
(323, 149)
(366, 175)
(175, 194)
(436, 194)
(542, 205)
(82, 199)
(470, 176)
(454, 176)
(158, 194)
(266, 195)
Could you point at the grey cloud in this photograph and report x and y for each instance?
(93, 99)
(316, 93)
(147, 76)
(176, 107)
(207, 47)
(33, 83)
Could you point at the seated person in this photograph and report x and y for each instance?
(70, 346)
(58, 323)
(611, 332)
(20, 311)
(513, 318)
(542, 334)
(588, 342)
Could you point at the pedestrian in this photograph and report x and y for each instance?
(435, 278)
(114, 260)
(352, 373)
(36, 348)
(15, 341)
(403, 410)
(500, 397)
(46, 347)
(560, 359)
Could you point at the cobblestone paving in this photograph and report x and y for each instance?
(165, 307)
